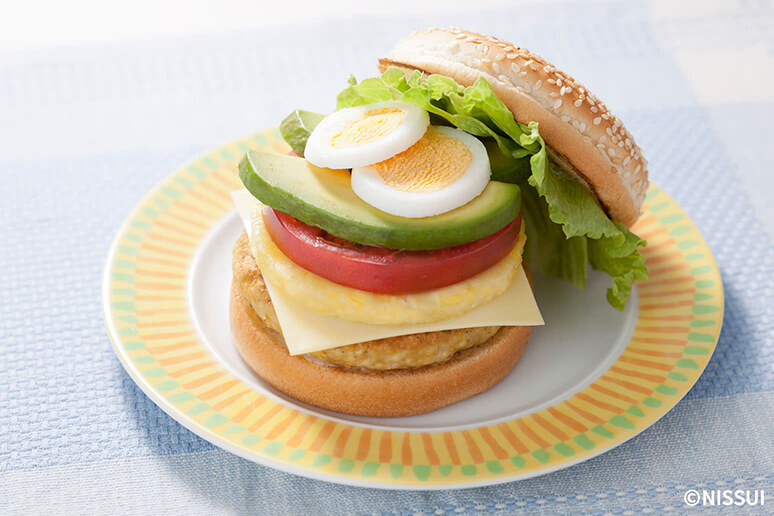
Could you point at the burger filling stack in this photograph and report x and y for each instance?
(382, 272)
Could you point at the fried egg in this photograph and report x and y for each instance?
(444, 170)
(364, 135)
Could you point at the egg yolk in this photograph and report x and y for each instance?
(433, 163)
(372, 126)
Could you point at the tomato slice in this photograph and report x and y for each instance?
(381, 270)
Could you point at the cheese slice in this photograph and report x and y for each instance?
(307, 331)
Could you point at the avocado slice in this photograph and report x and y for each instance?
(323, 197)
(297, 127)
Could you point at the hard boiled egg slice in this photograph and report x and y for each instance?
(363, 135)
(445, 169)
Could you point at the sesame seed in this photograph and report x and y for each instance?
(602, 139)
(515, 67)
(496, 67)
(611, 151)
(597, 120)
(557, 103)
(551, 81)
(621, 144)
(575, 124)
(534, 66)
(637, 170)
(512, 56)
(505, 79)
(522, 73)
(452, 45)
(562, 90)
(626, 160)
(527, 88)
(485, 48)
(578, 103)
(609, 132)
(538, 84)
(559, 81)
(583, 127)
(499, 57)
(460, 36)
(565, 118)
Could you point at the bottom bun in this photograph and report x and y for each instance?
(373, 393)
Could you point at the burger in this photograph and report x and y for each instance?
(384, 267)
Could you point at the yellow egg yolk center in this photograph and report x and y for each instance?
(372, 126)
(433, 163)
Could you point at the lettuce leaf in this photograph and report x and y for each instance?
(567, 228)
(609, 246)
(548, 250)
(475, 110)
(623, 262)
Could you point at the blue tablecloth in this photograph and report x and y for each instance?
(86, 131)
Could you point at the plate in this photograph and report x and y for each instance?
(589, 380)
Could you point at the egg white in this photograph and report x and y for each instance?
(321, 152)
(369, 185)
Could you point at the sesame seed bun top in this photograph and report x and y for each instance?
(581, 134)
